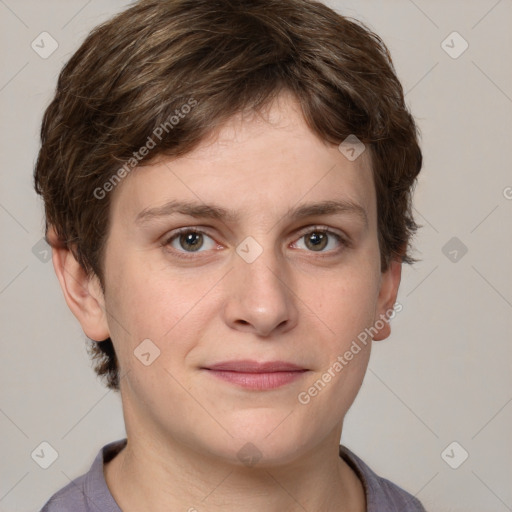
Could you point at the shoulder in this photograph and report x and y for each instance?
(69, 498)
(382, 495)
(88, 492)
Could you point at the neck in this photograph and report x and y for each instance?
(148, 475)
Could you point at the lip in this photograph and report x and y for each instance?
(250, 374)
(250, 366)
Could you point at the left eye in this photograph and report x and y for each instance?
(320, 239)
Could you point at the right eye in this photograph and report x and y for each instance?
(188, 241)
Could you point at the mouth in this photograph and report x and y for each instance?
(256, 376)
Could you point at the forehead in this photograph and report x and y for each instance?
(256, 165)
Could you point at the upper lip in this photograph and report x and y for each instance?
(248, 366)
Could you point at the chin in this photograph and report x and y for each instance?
(265, 438)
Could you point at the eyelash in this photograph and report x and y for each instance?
(344, 242)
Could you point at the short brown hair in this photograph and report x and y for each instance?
(135, 72)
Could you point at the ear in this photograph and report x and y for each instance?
(83, 294)
(389, 284)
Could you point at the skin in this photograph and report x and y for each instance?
(296, 302)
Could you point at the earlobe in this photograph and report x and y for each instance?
(82, 293)
(390, 282)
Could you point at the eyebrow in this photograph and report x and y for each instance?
(205, 211)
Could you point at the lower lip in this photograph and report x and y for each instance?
(258, 381)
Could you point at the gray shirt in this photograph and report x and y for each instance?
(89, 492)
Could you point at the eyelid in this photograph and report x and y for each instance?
(187, 229)
(342, 239)
(323, 229)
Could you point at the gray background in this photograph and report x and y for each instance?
(445, 373)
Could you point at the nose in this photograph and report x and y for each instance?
(259, 297)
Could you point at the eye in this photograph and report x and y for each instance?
(185, 242)
(190, 240)
(321, 240)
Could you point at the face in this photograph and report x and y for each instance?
(271, 256)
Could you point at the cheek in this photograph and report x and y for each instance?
(148, 301)
(345, 309)
(345, 302)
